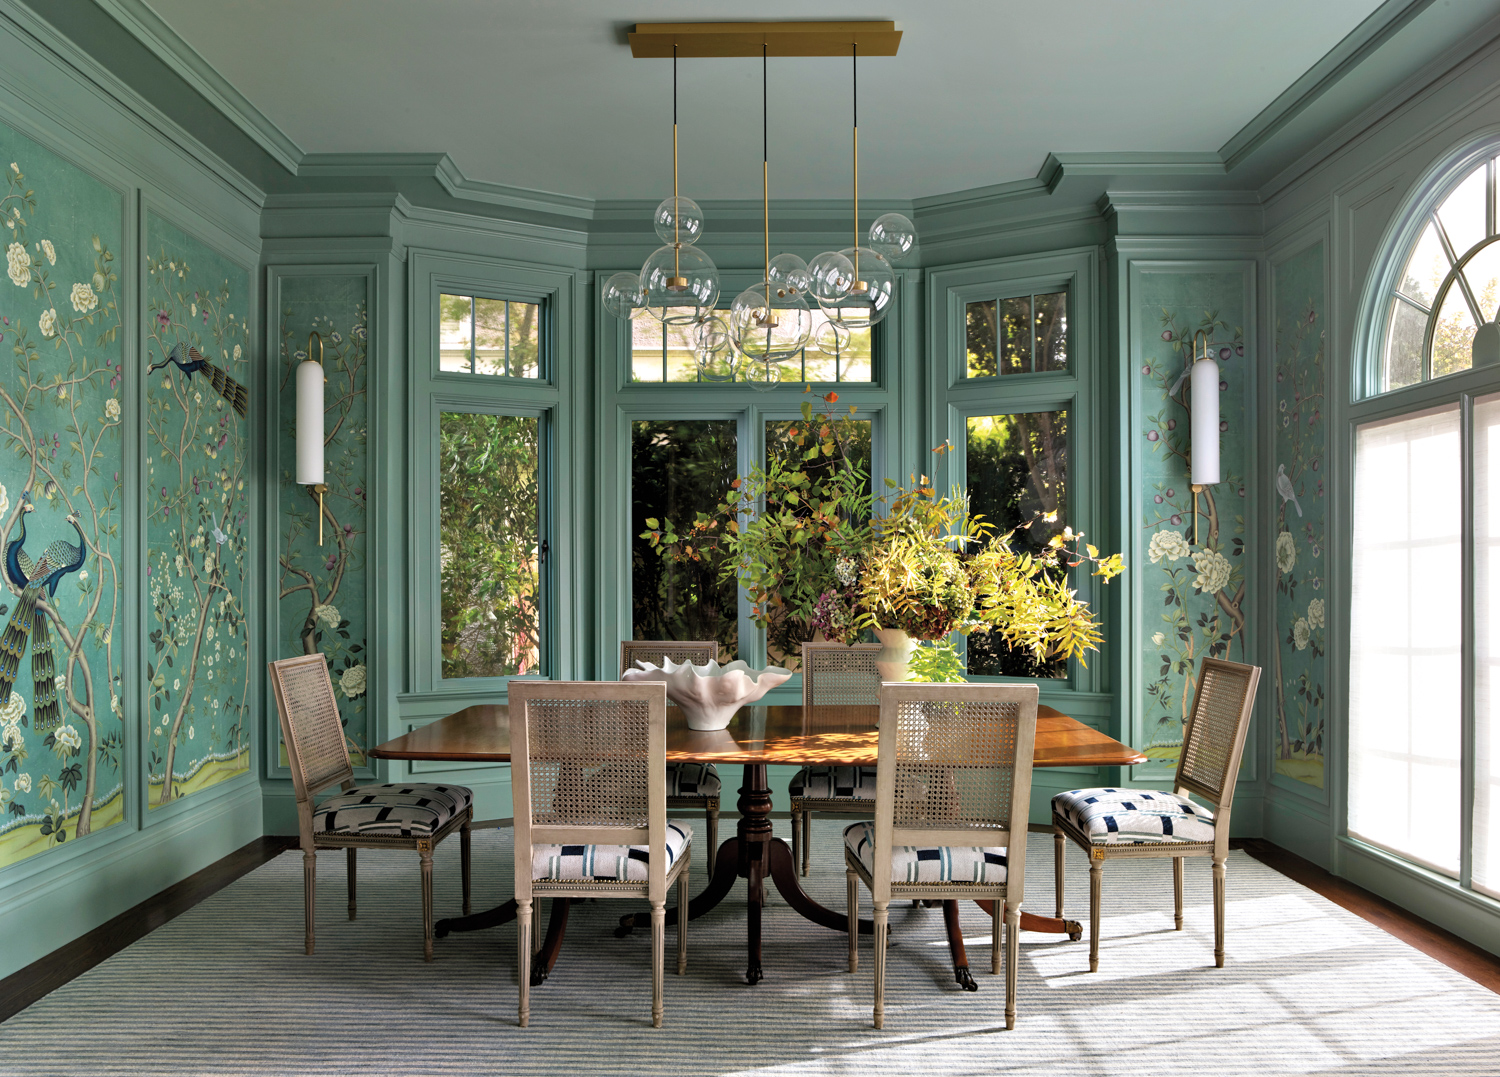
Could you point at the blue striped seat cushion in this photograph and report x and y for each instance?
(1134, 816)
(692, 780)
(834, 783)
(938, 864)
(409, 810)
(604, 863)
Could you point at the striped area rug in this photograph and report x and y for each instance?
(225, 988)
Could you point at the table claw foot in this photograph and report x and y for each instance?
(539, 970)
(754, 975)
(440, 929)
(964, 979)
(627, 925)
(1074, 930)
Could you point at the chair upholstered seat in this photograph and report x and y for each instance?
(693, 780)
(834, 783)
(1135, 816)
(939, 864)
(604, 863)
(408, 810)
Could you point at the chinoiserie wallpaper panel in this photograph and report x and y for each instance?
(61, 339)
(321, 590)
(1190, 596)
(1298, 501)
(197, 513)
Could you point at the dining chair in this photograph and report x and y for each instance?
(833, 674)
(1111, 824)
(689, 785)
(400, 815)
(589, 792)
(952, 796)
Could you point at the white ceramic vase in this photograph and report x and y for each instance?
(894, 659)
(709, 694)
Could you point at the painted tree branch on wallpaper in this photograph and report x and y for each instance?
(321, 588)
(1202, 589)
(60, 504)
(197, 513)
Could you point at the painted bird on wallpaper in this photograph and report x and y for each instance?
(27, 622)
(1284, 488)
(232, 391)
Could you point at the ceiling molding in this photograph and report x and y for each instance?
(441, 168)
(147, 27)
(1378, 28)
(1058, 166)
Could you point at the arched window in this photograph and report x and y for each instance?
(1446, 301)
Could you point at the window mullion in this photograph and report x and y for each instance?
(1468, 752)
(1463, 281)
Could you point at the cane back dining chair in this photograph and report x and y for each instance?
(1109, 824)
(833, 674)
(953, 792)
(589, 792)
(401, 815)
(689, 785)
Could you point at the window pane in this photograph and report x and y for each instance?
(645, 348)
(1016, 470)
(490, 533)
(855, 362)
(682, 361)
(1015, 329)
(454, 327)
(1425, 269)
(1462, 213)
(1405, 633)
(1403, 345)
(1452, 334)
(1487, 644)
(679, 468)
(1052, 331)
(525, 340)
(1483, 274)
(818, 365)
(979, 319)
(489, 336)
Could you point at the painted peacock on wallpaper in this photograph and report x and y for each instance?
(234, 394)
(27, 621)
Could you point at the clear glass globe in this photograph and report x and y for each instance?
(893, 235)
(873, 294)
(622, 295)
(831, 338)
(832, 275)
(711, 339)
(762, 374)
(678, 220)
(679, 285)
(789, 275)
(773, 330)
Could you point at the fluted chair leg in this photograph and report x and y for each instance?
(882, 927)
(350, 859)
(682, 919)
(309, 896)
(658, 956)
(1177, 890)
(852, 908)
(1057, 866)
(997, 917)
(1218, 913)
(523, 960)
(466, 856)
(1012, 960)
(1096, 880)
(424, 850)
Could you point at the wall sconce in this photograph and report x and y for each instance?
(310, 425)
(1204, 461)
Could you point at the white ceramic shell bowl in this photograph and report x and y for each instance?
(709, 694)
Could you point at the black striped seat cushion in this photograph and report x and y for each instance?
(409, 810)
(834, 783)
(604, 863)
(935, 864)
(1134, 816)
(693, 780)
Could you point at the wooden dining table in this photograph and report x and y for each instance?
(758, 737)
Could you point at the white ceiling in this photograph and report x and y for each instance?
(544, 94)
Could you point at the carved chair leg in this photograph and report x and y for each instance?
(424, 850)
(1012, 960)
(309, 895)
(882, 927)
(1096, 880)
(852, 907)
(350, 858)
(797, 836)
(1057, 866)
(658, 954)
(997, 917)
(523, 960)
(1218, 913)
(713, 835)
(683, 897)
(1177, 890)
(806, 841)
(466, 857)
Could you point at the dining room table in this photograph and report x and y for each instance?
(758, 736)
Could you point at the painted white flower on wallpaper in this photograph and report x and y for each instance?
(1213, 571)
(326, 615)
(50, 251)
(352, 681)
(1301, 634)
(18, 264)
(1315, 613)
(83, 298)
(47, 322)
(1172, 545)
(1286, 552)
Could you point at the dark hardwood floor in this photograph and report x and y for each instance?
(22, 988)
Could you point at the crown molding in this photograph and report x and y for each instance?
(147, 27)
(442, 169)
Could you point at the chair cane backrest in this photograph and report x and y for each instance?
(310, 726)
(697, 651)
(588, 767)
(954, 770)
(837, 675)
(1214, 738)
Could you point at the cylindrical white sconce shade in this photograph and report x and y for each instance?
(1205, 421)
(310, 423)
